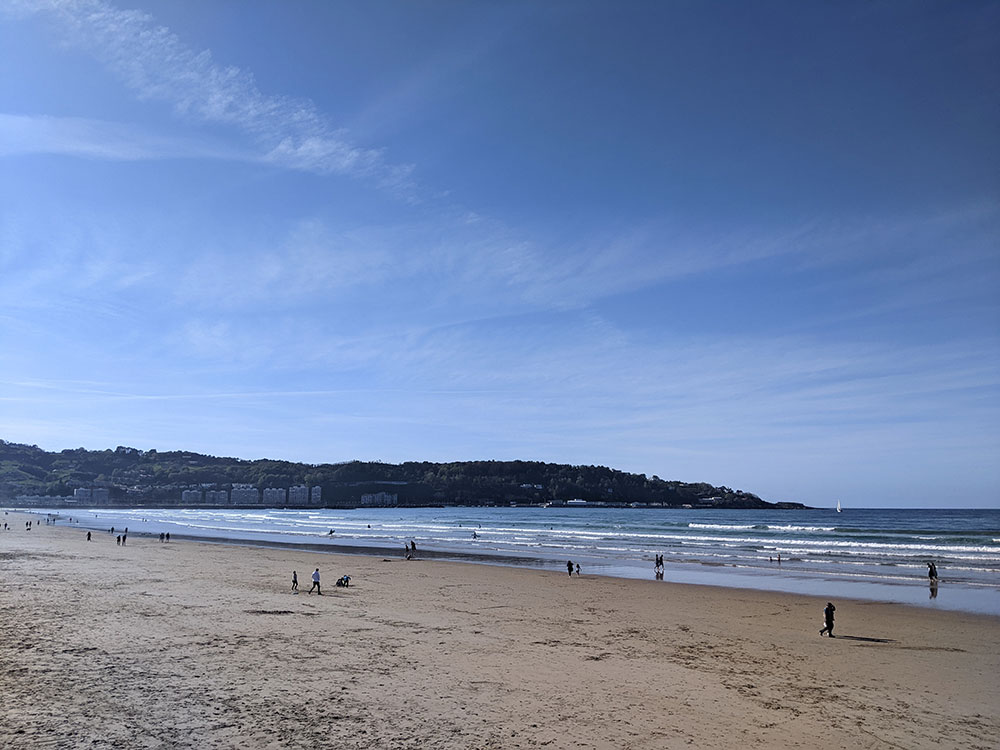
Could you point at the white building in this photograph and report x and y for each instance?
(274, 496)
(244, 495)
(216, 497)
(380, 500)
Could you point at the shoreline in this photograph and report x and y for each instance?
(958, 596)
(193, 644)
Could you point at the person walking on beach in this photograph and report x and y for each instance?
(316, 583)
(569, 567)
(295, 582)
(932, 571)
(118, 540)
(88, 536)
(124, 538)
(828, 615)
(578, 568)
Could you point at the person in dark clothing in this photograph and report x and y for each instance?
(88, 536)
(295, 582)
(932, 571)
(569, 566)
(828, 615)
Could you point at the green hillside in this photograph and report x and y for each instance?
(133, 476)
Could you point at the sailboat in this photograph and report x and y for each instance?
(838, 506)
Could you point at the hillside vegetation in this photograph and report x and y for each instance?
(142, 477)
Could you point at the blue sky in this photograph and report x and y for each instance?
(753, 244)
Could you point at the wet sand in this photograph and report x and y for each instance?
(199, 645)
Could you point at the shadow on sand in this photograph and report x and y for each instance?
(866, 640)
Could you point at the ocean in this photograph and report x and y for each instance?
(875, 554)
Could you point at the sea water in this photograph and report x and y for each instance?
(877, 554)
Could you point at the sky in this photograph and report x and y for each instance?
(750, 244)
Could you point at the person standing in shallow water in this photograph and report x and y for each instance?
(828, 615)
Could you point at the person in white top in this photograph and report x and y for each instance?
(316, 583)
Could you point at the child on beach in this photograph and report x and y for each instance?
(295, 582)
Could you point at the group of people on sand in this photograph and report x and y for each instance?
(569, 567)
(344, 581)
(315, 579)
(658, 568)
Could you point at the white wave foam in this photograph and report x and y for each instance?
(721, 526)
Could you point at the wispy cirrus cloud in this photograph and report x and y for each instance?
(155, 63)
(99, 139)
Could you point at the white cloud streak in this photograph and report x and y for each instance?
(153, 62)
(97, 139)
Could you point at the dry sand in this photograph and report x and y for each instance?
(198, 645)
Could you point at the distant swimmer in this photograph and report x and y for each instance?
(331, 533)
(828, 617)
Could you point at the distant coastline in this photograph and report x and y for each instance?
(129, 477)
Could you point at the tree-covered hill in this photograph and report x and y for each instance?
(144, 477)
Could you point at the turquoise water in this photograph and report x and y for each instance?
(860, 553)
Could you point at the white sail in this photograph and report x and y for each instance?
(838, 506)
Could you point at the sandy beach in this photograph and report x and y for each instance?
(188, 644)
